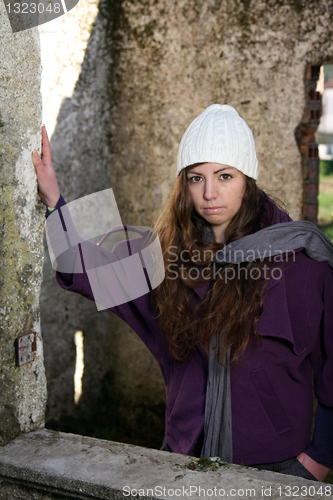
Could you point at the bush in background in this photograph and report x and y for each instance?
(326, 167)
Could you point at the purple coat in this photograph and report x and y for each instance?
(271, 385)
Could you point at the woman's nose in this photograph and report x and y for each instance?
(210, 190)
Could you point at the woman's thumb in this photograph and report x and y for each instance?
(35, 158)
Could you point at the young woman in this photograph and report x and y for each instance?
(243, 321)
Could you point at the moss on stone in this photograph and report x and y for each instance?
(205, 464)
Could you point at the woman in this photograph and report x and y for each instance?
(237, 340)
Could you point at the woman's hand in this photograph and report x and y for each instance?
(48, 189)
(318, 470)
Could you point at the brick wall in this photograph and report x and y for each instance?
(305, 136)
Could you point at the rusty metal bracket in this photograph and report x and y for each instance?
(26, 348)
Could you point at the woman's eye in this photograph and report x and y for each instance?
(195, 179)
(225, 177)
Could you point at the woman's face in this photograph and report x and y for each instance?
(217, 192)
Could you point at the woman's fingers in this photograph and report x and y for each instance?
(37, 161)
(46, 159)
(48, 188)
(46, 149)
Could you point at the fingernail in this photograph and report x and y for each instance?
(35, 155)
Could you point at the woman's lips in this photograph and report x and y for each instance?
(212, 210)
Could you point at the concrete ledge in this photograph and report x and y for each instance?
(53, 465)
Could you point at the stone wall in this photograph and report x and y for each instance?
(22, 388)
(150, 69)
(48, 465)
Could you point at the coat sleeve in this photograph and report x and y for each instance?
(76, 280)
(110, 278)
(321, 447)
(322, 356)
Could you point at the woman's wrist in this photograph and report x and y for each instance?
(52, 202)
(317, 469)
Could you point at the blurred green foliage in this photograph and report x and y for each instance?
(325, 213)
(329, 232)
(326, 167)
(325, 196)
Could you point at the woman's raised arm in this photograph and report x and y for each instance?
(48, 188)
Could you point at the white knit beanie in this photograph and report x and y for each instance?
(219, 135)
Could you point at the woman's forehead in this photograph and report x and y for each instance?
(208, 167)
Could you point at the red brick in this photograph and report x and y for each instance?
(310, 191)
(310, 212)
(313, 169)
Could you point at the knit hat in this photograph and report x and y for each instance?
(219, 135)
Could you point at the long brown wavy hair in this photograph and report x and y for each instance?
(232, 307)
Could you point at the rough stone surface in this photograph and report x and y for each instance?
(67, 466)
(151, 67)
(22, 389)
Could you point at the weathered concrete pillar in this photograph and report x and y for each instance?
(22, 388)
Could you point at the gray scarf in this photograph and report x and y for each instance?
(266, 243)
(277, 239)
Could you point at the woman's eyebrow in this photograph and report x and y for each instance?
(222, 169)
(217, 171)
